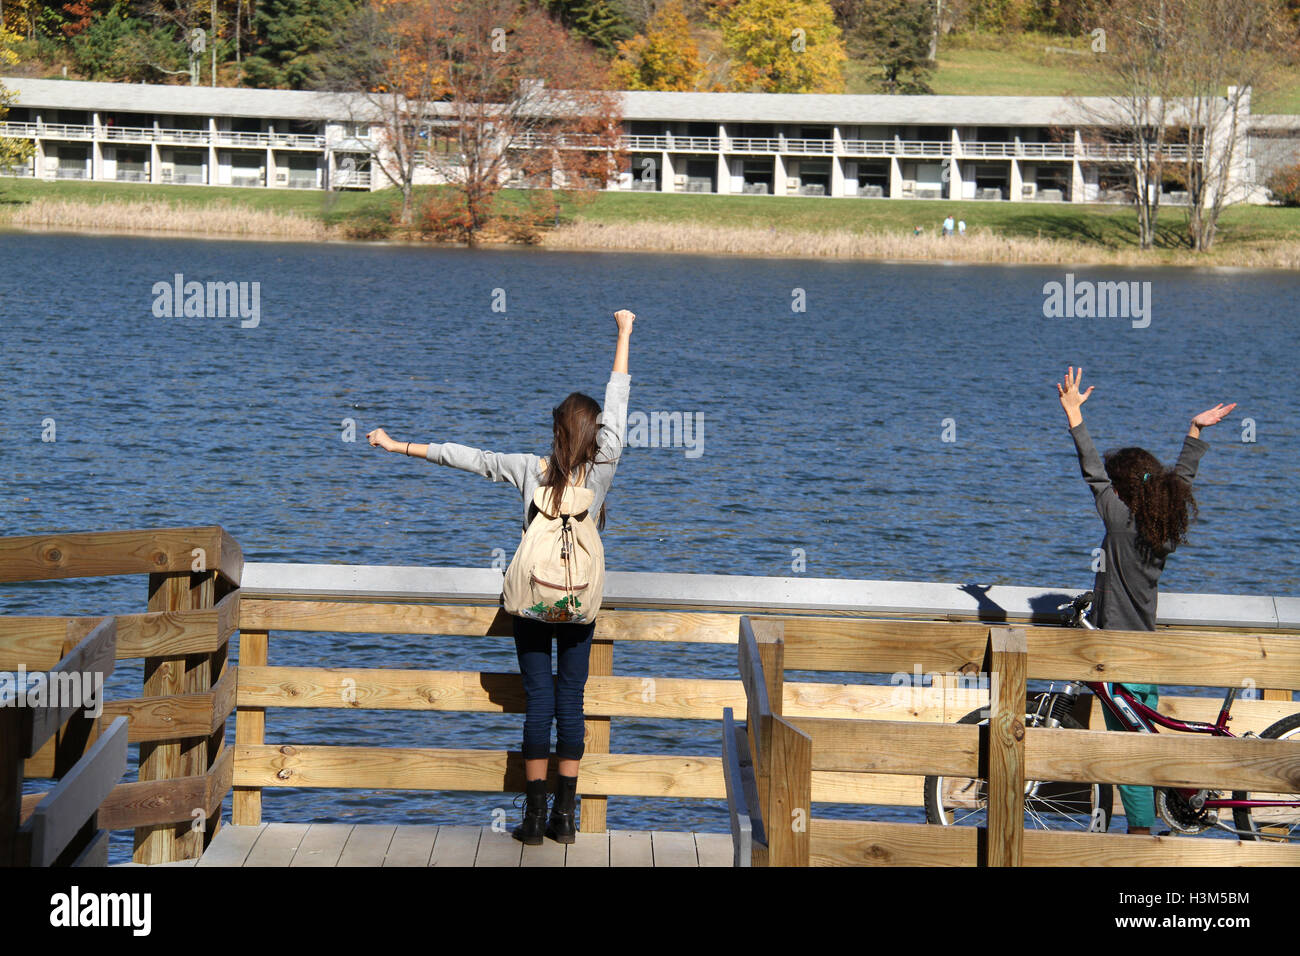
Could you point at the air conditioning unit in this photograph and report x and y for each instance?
(165, 173)
(1028, 190)
(281, 176)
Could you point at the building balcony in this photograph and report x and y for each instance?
(147, 134)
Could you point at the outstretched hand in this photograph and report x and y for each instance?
(1211, 416)
(379, 439)
(625, 318)
(1071, 398)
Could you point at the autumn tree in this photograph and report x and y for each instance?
(480, 92)
(783, 46)
(1179, 74)
(665, 57)
(13, 152)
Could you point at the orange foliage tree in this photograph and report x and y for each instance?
(484, 93)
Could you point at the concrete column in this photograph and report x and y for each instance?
(724, 169)
(212, 150)
(955, 187)
(837, 176)
(1015, 184)
(666, 173)
(1076, 170)
(96, 148)
(778, 173)
(155, 161)
(270, 168)
(895, 178)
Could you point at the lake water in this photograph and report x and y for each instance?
(826, 392)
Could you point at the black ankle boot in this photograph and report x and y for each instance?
(530, 831)
(562, 828)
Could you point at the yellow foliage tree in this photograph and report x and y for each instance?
(665, 57)
(13, 152)
(783, 46)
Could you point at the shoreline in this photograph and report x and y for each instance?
(979, 247)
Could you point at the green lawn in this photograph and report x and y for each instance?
(330, 207)
(1107, 226)
(990, 65)
(1110, 227)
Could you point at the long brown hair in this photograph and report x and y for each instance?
(574, 446)
(1162, 504)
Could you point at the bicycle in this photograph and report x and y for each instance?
(1059, 806)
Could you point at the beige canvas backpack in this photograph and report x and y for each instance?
(558, 571)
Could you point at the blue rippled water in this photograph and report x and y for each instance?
(822, 431)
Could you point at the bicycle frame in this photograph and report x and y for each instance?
(1135, 716)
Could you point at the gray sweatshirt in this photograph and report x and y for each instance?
(524, 471)
(1124, 592)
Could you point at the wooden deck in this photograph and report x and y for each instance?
(346, 844)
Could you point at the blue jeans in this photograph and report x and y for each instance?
(1139, 802)
(553, 698)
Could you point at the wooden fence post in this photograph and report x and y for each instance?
(592, 808)
(769, 641)
(789, 798)
(1004, 747)
(166, 676)
(250, 728)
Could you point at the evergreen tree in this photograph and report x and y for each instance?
(294, 39)
(893, 38)
(600, 22)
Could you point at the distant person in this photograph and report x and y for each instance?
(1146, 509)
(961, 227)
(916, 231)
(576, 475)
(947, 227)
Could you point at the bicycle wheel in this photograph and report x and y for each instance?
(963, 801)
(1270, 823)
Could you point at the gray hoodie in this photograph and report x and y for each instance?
(524, 471)
(1124, 592)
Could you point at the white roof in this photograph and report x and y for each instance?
(795, 108)
(198, 100)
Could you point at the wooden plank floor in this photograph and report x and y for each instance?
(344, 844)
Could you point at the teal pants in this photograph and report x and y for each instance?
(1139, 802)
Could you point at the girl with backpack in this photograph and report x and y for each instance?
(1146, 509)
(554, 583)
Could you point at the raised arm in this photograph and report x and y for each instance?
(1194, 447)
(1109, 506)
(624, 318)
(489, 464)
(613, 416)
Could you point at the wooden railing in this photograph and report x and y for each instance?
(179, 720)
(63, 827)
(684, 609)
(195, 606)
(789, 761)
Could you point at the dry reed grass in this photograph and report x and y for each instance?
(980, 245)
(218, 219)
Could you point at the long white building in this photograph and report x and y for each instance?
(993, 148)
